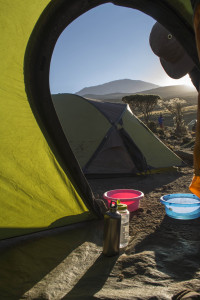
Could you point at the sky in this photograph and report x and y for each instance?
(106, 43)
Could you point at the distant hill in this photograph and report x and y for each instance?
(173, 91)
(167, 92)
(118, 86)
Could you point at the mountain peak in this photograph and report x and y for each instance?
(118, 86)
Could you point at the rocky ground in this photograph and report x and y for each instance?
(162, 257)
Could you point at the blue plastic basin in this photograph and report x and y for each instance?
(181, 206)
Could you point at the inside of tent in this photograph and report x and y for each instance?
(51, 175)
(42, 185)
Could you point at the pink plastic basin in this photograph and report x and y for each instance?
(126, 196)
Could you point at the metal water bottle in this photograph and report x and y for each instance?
(112, 225)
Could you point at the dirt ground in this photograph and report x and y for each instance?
(162, 257)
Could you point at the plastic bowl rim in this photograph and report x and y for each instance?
(167, 202)
(124, 199)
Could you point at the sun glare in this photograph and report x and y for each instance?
(182, 81)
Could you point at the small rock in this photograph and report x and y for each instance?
(120, 277)
(164, 188)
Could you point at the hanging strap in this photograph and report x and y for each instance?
(195, 184)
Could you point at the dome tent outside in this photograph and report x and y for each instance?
(109, 140)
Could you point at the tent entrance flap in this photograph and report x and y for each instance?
(41, 166)
(134, 151)
(112, 157)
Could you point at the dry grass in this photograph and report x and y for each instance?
(189, 112)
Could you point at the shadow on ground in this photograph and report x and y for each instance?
(144, 183)
(27, 260)
(176, 247)
(93, 280)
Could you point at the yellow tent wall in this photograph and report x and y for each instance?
(35, 193)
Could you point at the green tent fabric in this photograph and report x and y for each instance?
(41, 183)
(35, 191)
(107, 139)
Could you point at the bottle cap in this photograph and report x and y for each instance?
(118, 201)
(121, 206)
